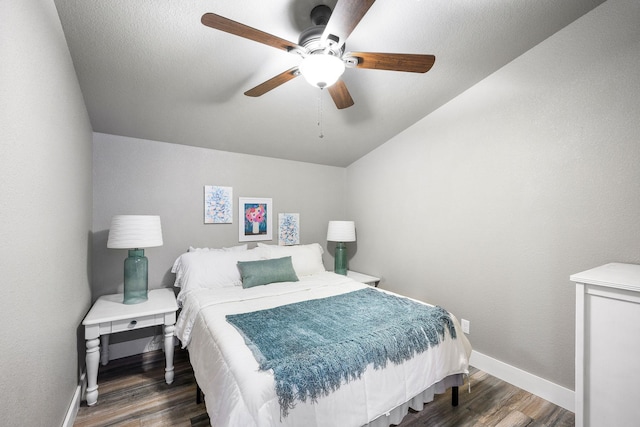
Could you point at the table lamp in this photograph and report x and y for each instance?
(341, 232)
(135, 232)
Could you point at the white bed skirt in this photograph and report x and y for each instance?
(417, 403)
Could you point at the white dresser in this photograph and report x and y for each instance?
(608, 346)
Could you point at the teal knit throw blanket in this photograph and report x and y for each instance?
(315, 345)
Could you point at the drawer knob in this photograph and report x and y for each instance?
(133, 323)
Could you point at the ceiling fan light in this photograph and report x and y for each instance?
(322, 70)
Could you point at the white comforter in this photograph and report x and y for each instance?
(238, 394)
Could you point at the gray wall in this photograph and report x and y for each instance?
(45, 216)
(489, 204)
(134, 176)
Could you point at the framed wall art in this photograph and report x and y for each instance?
(255, 219)
(218, 205)
(288, 229)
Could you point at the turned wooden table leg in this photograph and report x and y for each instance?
(168, 352)
(92, 359)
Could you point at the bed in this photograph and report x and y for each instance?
(222, 288)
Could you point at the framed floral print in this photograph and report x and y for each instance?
(255, 219)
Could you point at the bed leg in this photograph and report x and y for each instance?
(198, 395)
(454, 396)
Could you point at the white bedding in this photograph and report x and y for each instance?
(238, 394)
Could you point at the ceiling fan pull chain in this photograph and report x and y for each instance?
(321, 135)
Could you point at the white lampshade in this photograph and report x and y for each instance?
(322, 70)
(135, 231)
(341, 231)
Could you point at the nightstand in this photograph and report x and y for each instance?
(364, 278)
(110, 315)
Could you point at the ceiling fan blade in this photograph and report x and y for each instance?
(273, 82)
(394, 61)
(340, 95)
(232, 27)
(345, 17)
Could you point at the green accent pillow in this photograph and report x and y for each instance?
(256, 273)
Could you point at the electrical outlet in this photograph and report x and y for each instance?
(466, 325)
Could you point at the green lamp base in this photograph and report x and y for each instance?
(340, 266)
(136, 277)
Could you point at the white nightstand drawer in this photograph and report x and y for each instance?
(135, 323)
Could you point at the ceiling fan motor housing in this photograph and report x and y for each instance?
(311, 38)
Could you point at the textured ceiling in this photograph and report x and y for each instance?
(149, 69)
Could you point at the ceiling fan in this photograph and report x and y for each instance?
(322, 48)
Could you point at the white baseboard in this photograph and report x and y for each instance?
(72, 412)
(547, 390)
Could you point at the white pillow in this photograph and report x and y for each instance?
(211, 269)
(176, 263)
(231, 249)
(306, 259)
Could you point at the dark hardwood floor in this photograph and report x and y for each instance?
(133, 393)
